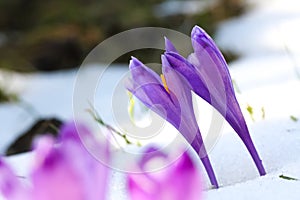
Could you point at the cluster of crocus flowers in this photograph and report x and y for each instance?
(206, 73)
(64, 169)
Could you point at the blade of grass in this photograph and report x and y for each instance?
(288, 178)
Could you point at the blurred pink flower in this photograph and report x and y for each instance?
(62, 171)
(179, 180)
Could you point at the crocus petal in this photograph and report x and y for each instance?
(10, 186)
(42, 146)
(180, 180)
(211, 62)
(65, 170)
(69, 171)
(186, 69)
(188, 126)
(211, 65)
(148, 88)
(142, 74)
(148, 155)
(209, 78)
(170, 46)
(56, 179)
(93, 173)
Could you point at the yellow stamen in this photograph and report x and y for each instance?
(164, 82)
(131, 106)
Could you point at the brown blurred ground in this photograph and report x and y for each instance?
(51, 35)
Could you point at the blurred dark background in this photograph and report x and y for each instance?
(52, 35)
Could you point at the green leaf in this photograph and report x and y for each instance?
(295, 119)
(288, 178)
(250, 111)
(98, 119)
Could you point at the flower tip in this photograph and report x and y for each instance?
(169, 46)
(199, 34)
(167, 40)
(134, 62)
(197, 30)
(133, 58)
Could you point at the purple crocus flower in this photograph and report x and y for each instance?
(207, 73)
(173, 101)
(177, 181)
(62, 171)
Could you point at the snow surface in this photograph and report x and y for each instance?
(267, 74)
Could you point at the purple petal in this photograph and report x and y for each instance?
(148, 155)
(142, 74)
(210, 63)
(69, 171)
(178, 85)
(212, 68)
(75, 132)
(170, 46)
(182, 66)
(177, 105)
(180, 180)
(56, 179)
(210, 89)
(10, 187)
(207, 44)
(147, 87)
(42, 146)
(153, 94)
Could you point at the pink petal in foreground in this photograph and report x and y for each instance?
(69, 171)
(10, 185)
(178, 181)
(65, 170)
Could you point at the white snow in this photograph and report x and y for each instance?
(267, 73)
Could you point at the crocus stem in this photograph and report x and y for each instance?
(246, 138)
(198, 146)
(258, 162)
(210, 171)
